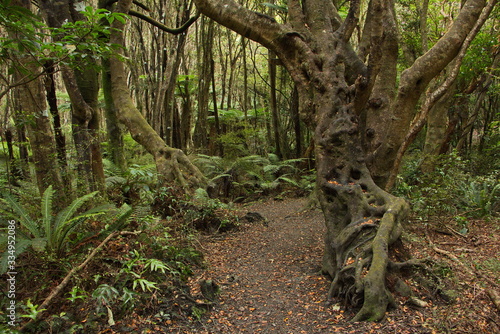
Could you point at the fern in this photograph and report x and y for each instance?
(49, 233)
(47, 211)
(20, 214)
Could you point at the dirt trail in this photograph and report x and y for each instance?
(270, 283)
(269, 273)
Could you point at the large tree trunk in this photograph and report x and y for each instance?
(334, 88)
(32, 103)
(172, 164)
(31, 100)
(413, 83)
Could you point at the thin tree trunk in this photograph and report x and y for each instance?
(172, 164)
(200, 136)
(294, 109)
(273, 104)
(436, 130)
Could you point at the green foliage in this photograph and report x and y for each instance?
(51, 232)
(481, 195)
(449, 189)
(76, 293)
(186, 85)
(32, 310)
(105, 294)
(132, 186)
(254, 175)
(478, 56)
(71, 44)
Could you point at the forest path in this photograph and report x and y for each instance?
(269, 273)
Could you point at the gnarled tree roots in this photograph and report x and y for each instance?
(357, 254)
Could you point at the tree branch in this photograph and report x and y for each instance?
(435, 95)
(174, 31)
(72, 272)
(347, 28)
(256, 26)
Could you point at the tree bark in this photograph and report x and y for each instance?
(436, 131)
(412, 85)
(82, 87)
(200, 135)
(273, 104)
(31, 100)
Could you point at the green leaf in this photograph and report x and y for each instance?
(281, 8)
(23, 217)
(145, 284)
(21, 246)
(47, 211)
(66, 214)
(39, 244)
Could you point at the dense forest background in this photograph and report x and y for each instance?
(165, 126)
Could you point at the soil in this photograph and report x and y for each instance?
(269, 280)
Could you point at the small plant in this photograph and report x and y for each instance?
(76, 293)
(51, 232)
(481, 195)
(137, 267)
(463, 224)
(32, 310)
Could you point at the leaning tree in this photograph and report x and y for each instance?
(360, 112)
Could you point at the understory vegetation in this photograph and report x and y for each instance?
(144, 268)
(146, 264)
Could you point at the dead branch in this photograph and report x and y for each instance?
(72, 272)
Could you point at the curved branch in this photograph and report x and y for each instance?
(426, 67)
(174, 31)
(258, 27)
(347, 28)
(435, 95)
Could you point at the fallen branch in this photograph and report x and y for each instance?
(72, 272)
(450, 255)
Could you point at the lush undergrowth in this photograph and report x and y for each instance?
(149, 237)
(147, 241)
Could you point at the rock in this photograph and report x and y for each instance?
(255, 217)
(209, 289)
(402, 288)
(450, 296)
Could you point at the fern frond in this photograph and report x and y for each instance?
(47, 211)
(111, 169)
(21, 246)
(115, 180)
(288, 180)
(68, 212)
(63, 230)
(22, 215)
(121, 218)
